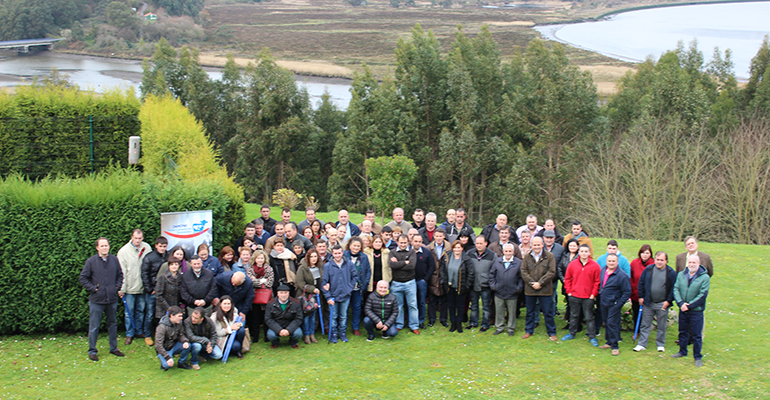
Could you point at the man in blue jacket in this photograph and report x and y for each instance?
(614, 291)
(690, 292)
(656, 295)
(338, 281)
(505, 281)
(240, 288)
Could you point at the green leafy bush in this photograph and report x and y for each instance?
(45, 130)
(50, 227)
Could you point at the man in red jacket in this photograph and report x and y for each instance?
(582, 285)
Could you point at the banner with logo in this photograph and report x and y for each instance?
(187, 229)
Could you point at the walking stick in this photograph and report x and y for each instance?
(130, 314)
(230, 340)
(320, 314)
(638, 321)
(331, 318)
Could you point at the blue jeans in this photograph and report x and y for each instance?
(293, 338)
(308, 324)
(486, 303)
(533, 310)
(177, 349)
(406, 293)
(149, 314)
(136, 307)
(95, 320)
(690, 329)
(356, 304)
(422, 293)
(238, 342)
(370, 328)
(339, 324)
(199, 350)
(611, 317)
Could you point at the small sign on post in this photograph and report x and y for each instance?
(134, 149)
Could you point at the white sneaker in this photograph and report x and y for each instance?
(661, 348)
(639, 348)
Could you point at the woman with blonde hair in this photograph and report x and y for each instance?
(379, 257)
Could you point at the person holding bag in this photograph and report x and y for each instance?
(308, 281)
(261, 275)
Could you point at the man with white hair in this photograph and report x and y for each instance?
(690, 292)
(429, 229)
(366, 228)
(505, 281)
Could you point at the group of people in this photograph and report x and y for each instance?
(389, 278)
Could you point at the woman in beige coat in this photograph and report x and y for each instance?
(378, 260)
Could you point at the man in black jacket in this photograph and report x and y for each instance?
(267, 222)
(380, 312)
(481, 260)
(199, 287)
(150, 267)
(424, 268)
(202, 333)
(102, 277)
(402, 262)
(283, 317)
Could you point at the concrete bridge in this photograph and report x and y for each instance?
(23, 46)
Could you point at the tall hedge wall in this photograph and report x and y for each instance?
(46, 129)
(49, 229)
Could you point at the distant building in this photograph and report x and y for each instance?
(150, 17)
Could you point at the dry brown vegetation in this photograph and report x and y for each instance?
(332, 38)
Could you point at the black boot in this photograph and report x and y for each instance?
(459, 327)
(454, 327)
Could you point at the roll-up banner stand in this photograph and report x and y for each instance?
(187, 229)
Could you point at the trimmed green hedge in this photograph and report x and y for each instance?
(49, 229)
(46, 130)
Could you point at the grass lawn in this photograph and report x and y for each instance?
(436, 364)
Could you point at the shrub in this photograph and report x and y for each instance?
(172, 136)
(50, 227)
(287, 198)
(45, 130)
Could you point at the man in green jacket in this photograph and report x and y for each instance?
(690, 292)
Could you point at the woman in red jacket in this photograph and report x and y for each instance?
(644, 258)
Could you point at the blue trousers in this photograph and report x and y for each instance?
(136, 307)
(691, 329)
(238, 342)
(149, 314)
(199, 350)
(406, 293)
(177, 349)
(611, 317)
(486, 303)
(422, 293)
(293, 338)
(370, 328)
(308, 324)
(356, 306)
(533, 310)
(95, 320)
(339, 324)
